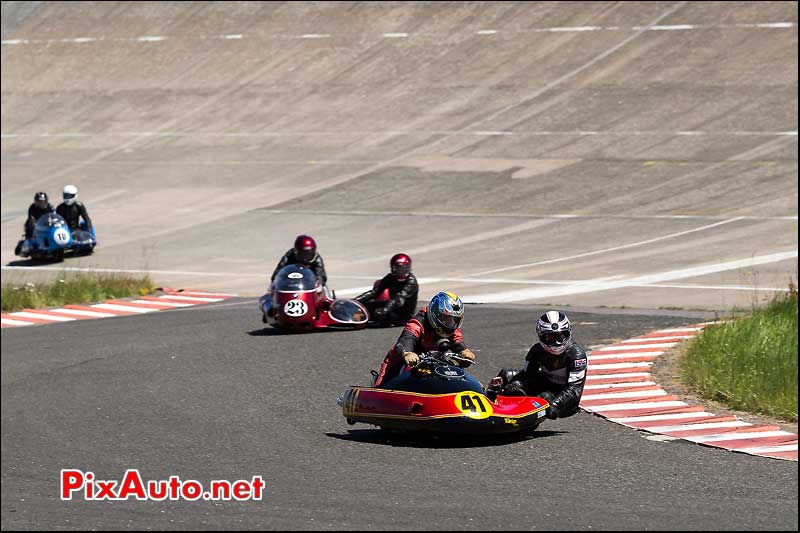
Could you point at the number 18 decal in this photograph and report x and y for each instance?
(474, 405)
(295, 308)
(61, 236)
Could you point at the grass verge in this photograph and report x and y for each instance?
(73, 289)
(749, 364)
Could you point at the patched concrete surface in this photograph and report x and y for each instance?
(603, 154)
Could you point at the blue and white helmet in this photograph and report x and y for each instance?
(445, 313)
(555, 332)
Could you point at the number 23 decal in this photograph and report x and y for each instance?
(295, 308)
(474, 405)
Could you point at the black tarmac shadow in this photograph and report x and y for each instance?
(411, 439)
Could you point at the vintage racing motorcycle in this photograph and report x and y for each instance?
(439, 396)
(298, 302)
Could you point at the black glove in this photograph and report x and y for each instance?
(552, 410)
(514, 388)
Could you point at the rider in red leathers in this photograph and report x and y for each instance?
(436, 327)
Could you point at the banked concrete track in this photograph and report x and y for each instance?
(205, 136)
(573, 154)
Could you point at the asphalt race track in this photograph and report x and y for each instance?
(632, 163)
(208, 394)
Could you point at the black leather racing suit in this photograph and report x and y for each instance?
(316, 265)
(73, 213)
(33, 215)
(402, 301)
(563, 376)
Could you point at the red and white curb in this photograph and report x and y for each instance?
(619, 387)
(171, 299)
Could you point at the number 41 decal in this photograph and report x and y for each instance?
(473, 405)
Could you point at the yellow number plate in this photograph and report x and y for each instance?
(474, 405)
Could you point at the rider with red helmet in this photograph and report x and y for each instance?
(403, 290)
(304, 253)
(555, 368)
(436, 327)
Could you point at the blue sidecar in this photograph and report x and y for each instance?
(52, 238)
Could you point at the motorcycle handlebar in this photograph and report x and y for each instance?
(444, 356)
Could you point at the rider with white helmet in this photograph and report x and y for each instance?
(555, 368)
(72, 210)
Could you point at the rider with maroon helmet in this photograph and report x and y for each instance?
(304, 253)
(555, 368)
(403, 290)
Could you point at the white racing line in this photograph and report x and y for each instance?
(647, 279)
(517, 133)
(555, 287)
(400, 35)
(613, 249)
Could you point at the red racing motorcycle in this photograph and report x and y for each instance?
(298, 302)
(439, 396)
